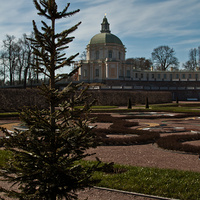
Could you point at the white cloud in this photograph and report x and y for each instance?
(172, 20)
(126, 18)
(16, 17)
(132, 19)
(189, 41)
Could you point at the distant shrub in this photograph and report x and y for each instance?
(147, 103)
(182, 115)
(143, 137)
(119, 124)
(122, 127)
(102, 118)
(177, 100)
(129, 104)
(176, 142)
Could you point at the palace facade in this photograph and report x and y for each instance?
(105, 57)
(106, 63)
(106, 60)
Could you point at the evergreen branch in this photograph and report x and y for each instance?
(45, 155)
(74, 71)
(38, 35)
(68, 31)
(67, 62)
(69, 14)
(62, 36)
(66, 76)
(65, 9)
(62, 48)
(61, 57)
(64, 41)
(41, 11)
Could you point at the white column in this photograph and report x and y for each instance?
(100, 71)
(107, 70)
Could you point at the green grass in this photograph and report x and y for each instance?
(9, 114)
(104, 107)
(170, 107)
(173, 107)
(100, 107)
(184, 185)
(177, 184)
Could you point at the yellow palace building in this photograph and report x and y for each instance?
(106, 63)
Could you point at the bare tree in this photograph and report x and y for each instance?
(194, 59)
(83, 55)
(3, 65)
(24, 57)
(199, 54)
(10, 56)
(188, 66)
(163, 57)
(17, 60)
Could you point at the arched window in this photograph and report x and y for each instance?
(110, 54)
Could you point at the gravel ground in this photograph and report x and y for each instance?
(141, 155)
(147, 156)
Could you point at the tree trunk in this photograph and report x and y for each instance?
(25, 77)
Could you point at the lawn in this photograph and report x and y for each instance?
(153, 181)
(170, 107)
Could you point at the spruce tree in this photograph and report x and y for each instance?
(129, 104)
(45, 158)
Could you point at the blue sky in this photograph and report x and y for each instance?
(142, 25)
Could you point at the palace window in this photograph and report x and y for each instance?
(128, 73)
(152, 75)
(158, 76)
(183, 76)
(110, 54)
(97, 55)
(85, 73)
(120, 73)
(97, 72)
(165, 76)
(190, 75)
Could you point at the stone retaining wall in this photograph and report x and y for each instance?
(120, 97)
(15, 99)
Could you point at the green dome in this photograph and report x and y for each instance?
(103, 38)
